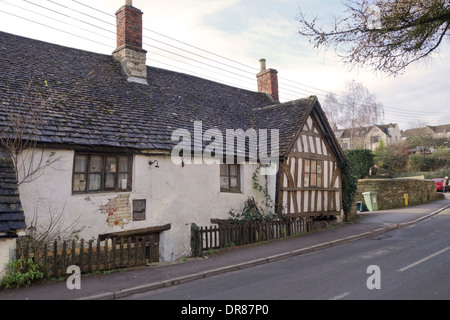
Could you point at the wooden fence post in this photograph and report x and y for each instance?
(81, 255)
(55, 257)
(121, 253)
(143, 250)
(129, 252)
(113, 252)
(196, 241)
(64, 249)
(98, 254)
(45, 271)
(90, 257)
(73, 260)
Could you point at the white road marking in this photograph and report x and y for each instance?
(423, 260)
(342, 295)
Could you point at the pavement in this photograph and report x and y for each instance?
(136, 280)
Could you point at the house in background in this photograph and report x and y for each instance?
(442, 131)
(368, 137)
(351, 138)
(424, 136)
(105, 133)
(389, 133)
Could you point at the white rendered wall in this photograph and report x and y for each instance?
(174, 194)
(7, 249)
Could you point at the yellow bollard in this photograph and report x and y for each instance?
(405, 196)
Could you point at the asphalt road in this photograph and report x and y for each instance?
(409, 263)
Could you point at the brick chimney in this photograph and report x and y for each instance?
(129, 50)
(268, 81)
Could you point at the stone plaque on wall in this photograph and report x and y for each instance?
(139, 210)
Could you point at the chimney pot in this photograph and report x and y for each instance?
(129, 2)
(262, 64)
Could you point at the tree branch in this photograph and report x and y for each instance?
(386, 34)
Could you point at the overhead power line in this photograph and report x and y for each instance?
(233, 69)
(63, 31)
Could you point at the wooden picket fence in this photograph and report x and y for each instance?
(241, 233)
(94, 255)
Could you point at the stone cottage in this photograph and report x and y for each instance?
(122, 145)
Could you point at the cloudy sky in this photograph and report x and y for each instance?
(223, 40)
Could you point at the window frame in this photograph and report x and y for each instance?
(311, 174)
(230, 189)
(103, 172)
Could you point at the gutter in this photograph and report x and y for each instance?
(9, 235)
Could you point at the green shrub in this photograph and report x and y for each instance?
(349, 185)
(21, 273)
(360, 161)
(251, 212)
(431, 162)
(392, 158)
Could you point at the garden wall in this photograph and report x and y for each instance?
(391, 192)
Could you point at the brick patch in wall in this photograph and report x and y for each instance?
(118, 210)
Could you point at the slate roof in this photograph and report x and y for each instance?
(347, 133)
(441, 128)
(12, 217)
(361, 132)
(385, 128)
(94, 106)
(428, 129)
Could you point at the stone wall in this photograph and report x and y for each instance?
(391, 192)
(132, 61)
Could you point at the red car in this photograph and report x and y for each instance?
(439, 184)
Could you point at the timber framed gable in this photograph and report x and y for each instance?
(310, 178)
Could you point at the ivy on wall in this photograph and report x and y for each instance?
(356, 165)
(361, 160)
(349, 185)
(251, 210)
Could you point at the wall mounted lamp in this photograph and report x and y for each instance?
(153, 162)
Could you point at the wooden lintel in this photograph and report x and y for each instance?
(312, 214)
(310, 155)
(135, 232)
(309, 189)
(216, 221)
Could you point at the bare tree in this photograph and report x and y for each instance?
(421, 138)
(385, 35)
(21, 129)
(356, 109)
(418, 123)
(360, 107)
(23, 117)
(332, 108)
